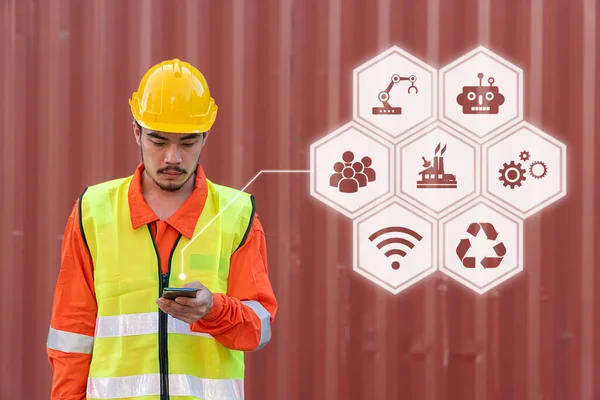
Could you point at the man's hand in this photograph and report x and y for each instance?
(188, 309)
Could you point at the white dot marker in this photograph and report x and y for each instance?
(182, 276)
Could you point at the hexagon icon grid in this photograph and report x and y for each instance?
(525, 170)
(351, 169)
(439, 169)
(481, 246)
(481, 94)
(395, 94)
(395, 246)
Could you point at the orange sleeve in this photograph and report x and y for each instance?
(242, 318)
(73, 319)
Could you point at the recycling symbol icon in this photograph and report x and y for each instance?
(462, 250)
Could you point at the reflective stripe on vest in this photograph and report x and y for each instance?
(139, 324)
(127, 278)
(147, 323)
(179, 385)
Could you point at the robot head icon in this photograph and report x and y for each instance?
(481, 99)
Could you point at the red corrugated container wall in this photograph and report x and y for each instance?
(281, 72)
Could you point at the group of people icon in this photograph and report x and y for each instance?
(351, 175)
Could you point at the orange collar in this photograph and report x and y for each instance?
(185, 218)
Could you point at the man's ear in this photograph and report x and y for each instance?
(205, 137)
(136, 132)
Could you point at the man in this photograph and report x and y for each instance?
(112, 334)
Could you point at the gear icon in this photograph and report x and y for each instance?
(538, 169)
(512, 174)
(524, 156)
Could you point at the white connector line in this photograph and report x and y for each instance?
(264, 171)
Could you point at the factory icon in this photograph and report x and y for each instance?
(435, 176)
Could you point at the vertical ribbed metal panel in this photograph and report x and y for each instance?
(281, 72)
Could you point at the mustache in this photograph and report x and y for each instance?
(172, 169)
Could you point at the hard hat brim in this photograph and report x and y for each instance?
(169, 128)
(173, 128)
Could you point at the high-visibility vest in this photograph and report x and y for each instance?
(139, 352)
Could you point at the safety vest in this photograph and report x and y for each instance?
(139, 352)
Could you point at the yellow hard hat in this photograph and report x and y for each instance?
(173, 97)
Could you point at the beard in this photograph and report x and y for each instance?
(172, 186)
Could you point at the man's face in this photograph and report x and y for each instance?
(170, 159)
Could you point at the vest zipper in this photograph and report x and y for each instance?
(163, 359)
(163, 281)
(163, 344)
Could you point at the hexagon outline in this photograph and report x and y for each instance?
(332, 204)
(463, 129)
(501, 279)
(505, 204)
(456, 204)
(434, 267)
(434, 94)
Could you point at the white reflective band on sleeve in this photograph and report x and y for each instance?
(139, 324)
(265, 321)
(69, 342)
(179, 385)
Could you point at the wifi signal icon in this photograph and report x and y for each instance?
(396, 241)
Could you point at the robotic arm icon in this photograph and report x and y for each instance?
(385, 95)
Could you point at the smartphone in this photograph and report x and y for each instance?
(171, 293)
